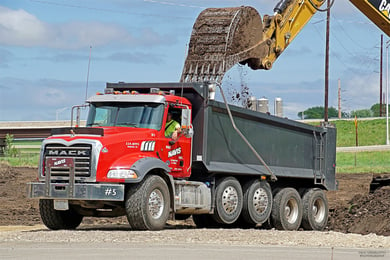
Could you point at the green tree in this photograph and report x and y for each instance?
(375, 109)
(10, 150)
(362, 113)
(318, 113)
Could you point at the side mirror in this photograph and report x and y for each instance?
(186, 125)
(185, 118)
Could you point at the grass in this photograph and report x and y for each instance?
(370, 132)
(25, 156)
(370, 162)
(28, 160)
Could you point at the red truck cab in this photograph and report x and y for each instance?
(134, 128)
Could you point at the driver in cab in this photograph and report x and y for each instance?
(172, 127)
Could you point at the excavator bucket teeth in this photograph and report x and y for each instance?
(222, 37)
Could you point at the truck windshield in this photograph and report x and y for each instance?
(126, 114)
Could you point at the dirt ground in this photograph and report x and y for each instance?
(352, 208)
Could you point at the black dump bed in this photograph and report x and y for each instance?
(291, 149)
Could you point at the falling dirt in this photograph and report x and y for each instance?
(221, 38)
(352, 208)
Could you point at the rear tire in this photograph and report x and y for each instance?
(147, 204)
(315, 210)
(287, 210)
(257, 204)
(58, 219)
(228, 200)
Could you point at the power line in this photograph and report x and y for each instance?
(105, 9)
(174, 4)
(346, 33)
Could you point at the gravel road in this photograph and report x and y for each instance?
(236, 237)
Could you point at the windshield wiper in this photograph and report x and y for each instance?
(96, 124)
(127, 124)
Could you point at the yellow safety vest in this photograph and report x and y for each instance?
(170, 127)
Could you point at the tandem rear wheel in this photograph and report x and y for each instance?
(228, 200)
(315, 210)
(290, 211)
(287, 210)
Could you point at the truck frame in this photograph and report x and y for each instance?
(122, 163)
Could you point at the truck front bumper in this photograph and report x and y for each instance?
(77, 191)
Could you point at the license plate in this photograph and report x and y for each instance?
(61, 205)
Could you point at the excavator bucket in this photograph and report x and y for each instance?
(222, 37)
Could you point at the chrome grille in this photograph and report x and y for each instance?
(81, 153)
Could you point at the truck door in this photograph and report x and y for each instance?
(176, 151)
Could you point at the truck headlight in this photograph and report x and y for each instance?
(122, 174)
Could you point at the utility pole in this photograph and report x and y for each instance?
(339, 98)
(327, 62)
(380, 79)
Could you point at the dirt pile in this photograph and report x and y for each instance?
(16, 208)
(364, 214)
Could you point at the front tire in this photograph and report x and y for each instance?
(147, 204)
(228, 200)
(287, 210)
(315, 210)
(58, 219)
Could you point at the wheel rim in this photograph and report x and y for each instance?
(318, 210)
(230, 200)
(156, 203)
(260, 201)
(291, 211)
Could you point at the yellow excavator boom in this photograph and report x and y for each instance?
(378, 11)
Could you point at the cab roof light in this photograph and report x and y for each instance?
(108, 91)
(154, 90)
(134, 92)
(99, 94)
(126, 92)
(117, 92)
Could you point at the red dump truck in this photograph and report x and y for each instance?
(229, 166)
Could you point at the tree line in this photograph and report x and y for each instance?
(318, 112)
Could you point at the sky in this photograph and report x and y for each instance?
(55, 53)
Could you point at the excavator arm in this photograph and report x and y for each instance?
(378, 11)
(223, 37)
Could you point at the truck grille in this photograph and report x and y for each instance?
(81, 153)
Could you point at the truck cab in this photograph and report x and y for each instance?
(135, 125)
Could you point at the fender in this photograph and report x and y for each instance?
(145, 165)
